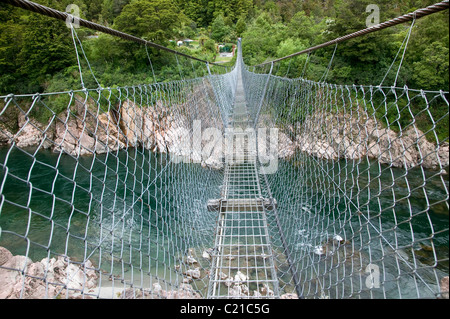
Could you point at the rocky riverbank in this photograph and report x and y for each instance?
(83, 131)
(335, 137)
(61, 278)
(48, 278)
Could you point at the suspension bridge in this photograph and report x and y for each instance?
(236, 183)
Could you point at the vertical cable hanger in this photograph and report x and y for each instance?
(151, 65)
(324, 76)
(74, 35)
(405, 44)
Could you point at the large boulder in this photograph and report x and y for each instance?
(30, 132)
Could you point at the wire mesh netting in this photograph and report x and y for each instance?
(242, 263)
(106, 198)
(241, 184)
(361, 186)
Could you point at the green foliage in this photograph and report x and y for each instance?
(33, 48)
(428, 53)
(203, 12)
(11, 31)
(210, 45)
(219, 30)
(37, 53)
(110, 9)
(47, 48)
(241, 26)
(94, 12)
(154, 20)
(293, 66)
(261, 39)
(275, 32)
(307, 28)
(432, 71)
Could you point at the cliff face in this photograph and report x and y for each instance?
(82, 131)
(339, 137)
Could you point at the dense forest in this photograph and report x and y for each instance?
(37, 53)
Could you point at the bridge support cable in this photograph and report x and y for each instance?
(64, 16)
(175, 189)
(437, 7)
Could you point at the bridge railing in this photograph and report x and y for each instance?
(103, 192)
(361, 187)
(357, 191)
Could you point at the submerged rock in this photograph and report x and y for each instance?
(207, 253)
(191, 260)
(193, 273)
(223, 276)
(157, 287)
(266, 291)
(184, 291)
(319, 250)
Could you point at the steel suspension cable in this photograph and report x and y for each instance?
(444, 5)
(53, 13)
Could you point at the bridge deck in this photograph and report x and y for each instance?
(243, 265)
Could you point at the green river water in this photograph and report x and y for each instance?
(137, 211)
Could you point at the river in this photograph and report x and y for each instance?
(138, 213)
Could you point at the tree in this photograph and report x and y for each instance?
(287, 9)
(428, 53)
(431, 72)
(33, 47)
(307, 27)
(10, 44)
(219, 29)
(240, 26)
(47, 49)
(110, 9)
(205, 11)
(232, 8)
(94, 10)
(210, 45)
(200, 11)
(372, 52)
(261, 39)
(153, 19)
(294, 65)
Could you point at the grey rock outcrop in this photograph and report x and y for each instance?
(83, 130)
(341, 137)
(22, 278)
